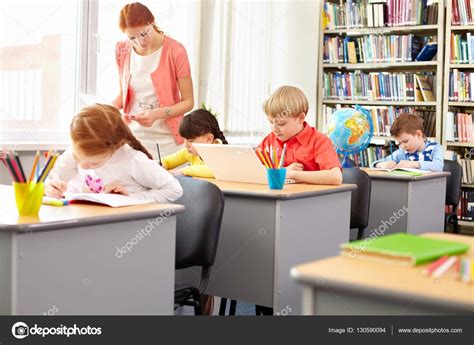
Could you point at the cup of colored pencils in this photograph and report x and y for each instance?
(276, 174)
(28, 192)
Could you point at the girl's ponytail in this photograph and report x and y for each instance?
(137, 145)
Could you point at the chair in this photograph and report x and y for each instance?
(453, 193)
(197, 236)
(360, 198)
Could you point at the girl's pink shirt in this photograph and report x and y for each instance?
(174, 64)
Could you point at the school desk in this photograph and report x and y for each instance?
(264, 233)
(417, 201)
(66, 260)
(351, 286)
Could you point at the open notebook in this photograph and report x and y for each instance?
(113, 200)
(403, 171)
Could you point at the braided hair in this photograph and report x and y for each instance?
(200, 122)
(99, 128)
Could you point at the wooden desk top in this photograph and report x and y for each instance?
(384, 175)
(74, 215)
(352, 274)
(289, 191)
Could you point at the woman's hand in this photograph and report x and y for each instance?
(115, 188)
(147, 118)
(55, 189)
(386, 165)
(408, 164)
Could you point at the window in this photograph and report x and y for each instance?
(38, 49)
(236, 78)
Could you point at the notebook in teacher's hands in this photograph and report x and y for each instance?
(402, 249)
(112, 200)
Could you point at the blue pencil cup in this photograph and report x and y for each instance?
(276, 178)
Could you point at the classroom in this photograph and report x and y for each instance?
(219, 160)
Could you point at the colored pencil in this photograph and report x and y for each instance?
(17, 159)
(35, 164)
(434, 265)
(15, 167)
(444, 267)
(282, 158)
(262, 158)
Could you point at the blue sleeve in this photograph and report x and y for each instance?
(438, 160)
(396, 156)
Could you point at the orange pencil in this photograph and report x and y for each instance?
(34, 166)
(262, 158)
(267, 156)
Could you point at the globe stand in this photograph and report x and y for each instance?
(346, 163)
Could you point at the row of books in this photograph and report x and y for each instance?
(459, 127)
(379, 13)
(461, 86)
(383, 117)
(372, 48)
(411, 12)
(378, 86)
(368, 156)
(462, 12)
(462, 48)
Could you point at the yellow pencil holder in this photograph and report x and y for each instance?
(29, 197)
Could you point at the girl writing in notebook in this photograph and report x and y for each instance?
(105, 157)
(199, 126)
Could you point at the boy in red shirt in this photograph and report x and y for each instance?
(310, 156)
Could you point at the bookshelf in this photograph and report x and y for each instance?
(461, 149)
(386, 67)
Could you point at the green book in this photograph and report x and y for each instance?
(402, 249)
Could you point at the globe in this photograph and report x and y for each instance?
(350, 130)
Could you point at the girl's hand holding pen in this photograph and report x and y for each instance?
(55, 189)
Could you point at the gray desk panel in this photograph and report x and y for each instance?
(261, 239)
(415, 207)
(79, 273)
(302, 239)
(328, 301)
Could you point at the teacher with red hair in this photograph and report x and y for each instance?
(156, 88)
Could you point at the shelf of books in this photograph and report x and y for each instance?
(383, 55)
(458, 107)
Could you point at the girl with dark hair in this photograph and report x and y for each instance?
(199, 126)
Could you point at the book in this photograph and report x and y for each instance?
(112, 200)
(402, 171)
(461, 86)
(402, 249)
(425, 88)
(428, 52)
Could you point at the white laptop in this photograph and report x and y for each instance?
(235, 163)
